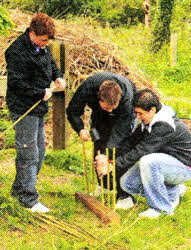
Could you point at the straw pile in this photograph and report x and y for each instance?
(87, 54)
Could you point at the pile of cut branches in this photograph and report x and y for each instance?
(87, 54)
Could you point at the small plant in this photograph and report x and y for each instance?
(63, 159)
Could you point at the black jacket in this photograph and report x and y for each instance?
(29, 73)
(165, 134)
(113, 127)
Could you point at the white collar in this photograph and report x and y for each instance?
(165, 114)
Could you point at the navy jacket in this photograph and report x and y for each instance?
(113, 127)
(29, 73)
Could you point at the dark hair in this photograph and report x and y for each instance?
(109, 92)
(42, 24)
(146, 99)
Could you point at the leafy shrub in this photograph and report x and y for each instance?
(114, 12)
(65, 160)
(5, 22)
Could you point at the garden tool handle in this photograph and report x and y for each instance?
(31, 108)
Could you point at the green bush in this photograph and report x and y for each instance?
(5, 22)
(114, 12)
(66, 160)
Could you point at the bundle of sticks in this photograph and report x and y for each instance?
(90, 179)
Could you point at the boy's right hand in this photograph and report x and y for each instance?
(84, 135)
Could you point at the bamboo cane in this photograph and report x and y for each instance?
(64, 222)
(114, 178)
(65, 229)
(102, 191)
(108, 178)
(92, 172)
(85, 168)
(102, 188)
(26, 113)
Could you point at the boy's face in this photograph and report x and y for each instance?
(39, 41)
(145, 116)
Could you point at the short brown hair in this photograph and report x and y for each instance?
(42, 24)
(146, 99)
(109, 92)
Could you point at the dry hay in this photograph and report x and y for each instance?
(87, 54)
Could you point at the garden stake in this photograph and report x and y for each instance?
(108, 178)
(114, 178)
(102, 189)
(85, 168)
(92, 172)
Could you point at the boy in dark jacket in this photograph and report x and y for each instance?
(110, 97)
(162, 145)
(31, 69)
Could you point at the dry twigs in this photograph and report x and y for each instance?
(71, 230)
(88, 53)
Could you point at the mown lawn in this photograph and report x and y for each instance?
(21, 229)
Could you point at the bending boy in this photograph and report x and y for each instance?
(110, 96)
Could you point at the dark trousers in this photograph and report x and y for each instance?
(30, 148)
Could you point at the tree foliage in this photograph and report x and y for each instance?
(115, 12)
(181, 15)
(161, 33)
(5, 22)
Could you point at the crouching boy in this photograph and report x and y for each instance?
(159, 160)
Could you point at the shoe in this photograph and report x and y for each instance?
(175, 203)
(124, 203)
(97, 191)
(150, 213)
(38, 207)
(182, 190)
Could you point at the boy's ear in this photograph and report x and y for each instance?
(153, 109)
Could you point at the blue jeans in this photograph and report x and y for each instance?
(156, 177)
(30, 147)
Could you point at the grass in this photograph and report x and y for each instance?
(61, 175)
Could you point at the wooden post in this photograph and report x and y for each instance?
(58, 116)
(146, 7)
(105, 214)
(173, 48)
(59, 103)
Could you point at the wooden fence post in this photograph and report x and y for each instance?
(173, 47)
(59, 102)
